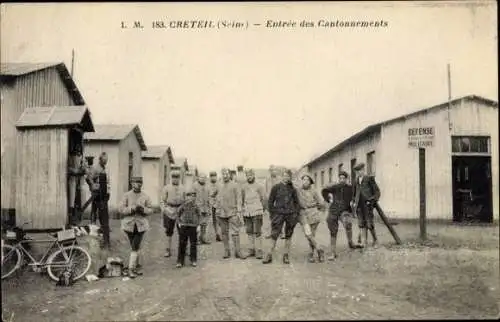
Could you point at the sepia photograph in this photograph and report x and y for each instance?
(249, 161)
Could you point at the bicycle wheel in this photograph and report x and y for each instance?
(74, 258)
(11, 260)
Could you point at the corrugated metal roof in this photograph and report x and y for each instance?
(115, 132)
(55, 116)
(155, 151)
(20, 69)
(377, 127)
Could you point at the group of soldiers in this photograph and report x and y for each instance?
(228, 204)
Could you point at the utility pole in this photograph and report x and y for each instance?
(423, 201)
(72, 61)
(449, 96)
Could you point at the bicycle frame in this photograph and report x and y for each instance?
(42, 262)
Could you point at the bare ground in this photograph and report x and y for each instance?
(454, 275)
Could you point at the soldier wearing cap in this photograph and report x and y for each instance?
(254, 204)
(135, 207)
(311, 207)
(284, 209)
(213, 190)
(229, 214)
(203, 202)
(340, 210)
(171, 198)
(366, 193)
(100, 185)
(273, 179)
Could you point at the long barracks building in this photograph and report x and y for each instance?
(460, 138)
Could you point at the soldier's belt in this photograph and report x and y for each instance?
(173, 205)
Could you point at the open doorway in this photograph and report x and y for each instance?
(472, 189)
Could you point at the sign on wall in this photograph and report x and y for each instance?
(420, 137)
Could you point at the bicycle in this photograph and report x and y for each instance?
(64, 256)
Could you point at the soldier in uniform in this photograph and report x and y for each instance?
(366, 194)
(202, 201)
(284, 208)
(310, 215)
(213, 189)
(171, 198)
(229, 214)
(75, 172)
(135, 207)
(254, 204)
(101, 188)
(271, 181)
(340, 210)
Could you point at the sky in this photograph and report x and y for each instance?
(259, 96)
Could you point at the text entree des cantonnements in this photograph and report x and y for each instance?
(235, 24)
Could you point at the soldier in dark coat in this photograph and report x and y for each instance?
(340, 210)
(366, 193)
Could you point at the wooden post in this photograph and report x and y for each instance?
(387, 223)
(421, 170)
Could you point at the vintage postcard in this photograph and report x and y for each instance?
(249, 161)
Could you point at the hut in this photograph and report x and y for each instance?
(156, 162)
(46, 140)
(181, 164)
(124, 145)
(26, 85)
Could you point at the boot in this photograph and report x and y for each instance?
(374, 236)
(310, 257)
(258, 245)
(237, 249)
(268, 260)
(132, 264)
(169, 246)
(288, 245)
(251, 250)
(227, 252)
(138, 266)
(333, 246)
(217, 238)
(286, 259)
(321, 255)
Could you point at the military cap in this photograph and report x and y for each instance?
(202, 175)
(176, 173)
(213, 174)
(309, 177)
(136, 179)
(343, 173)
(359, 166)
(249, 171)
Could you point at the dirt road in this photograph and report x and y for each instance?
(456, 276)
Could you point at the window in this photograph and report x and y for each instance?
(470, 144)
(341, 168)
(130, 169)
(322, 178)
(315, 177)
(165, 175)
(330, 175)
(370, 160)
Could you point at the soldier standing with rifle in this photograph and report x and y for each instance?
(366, 195)
(100, 186)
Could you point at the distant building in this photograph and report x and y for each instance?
(156, 162)
(124, 145)
(26, 85)
(461, 142)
